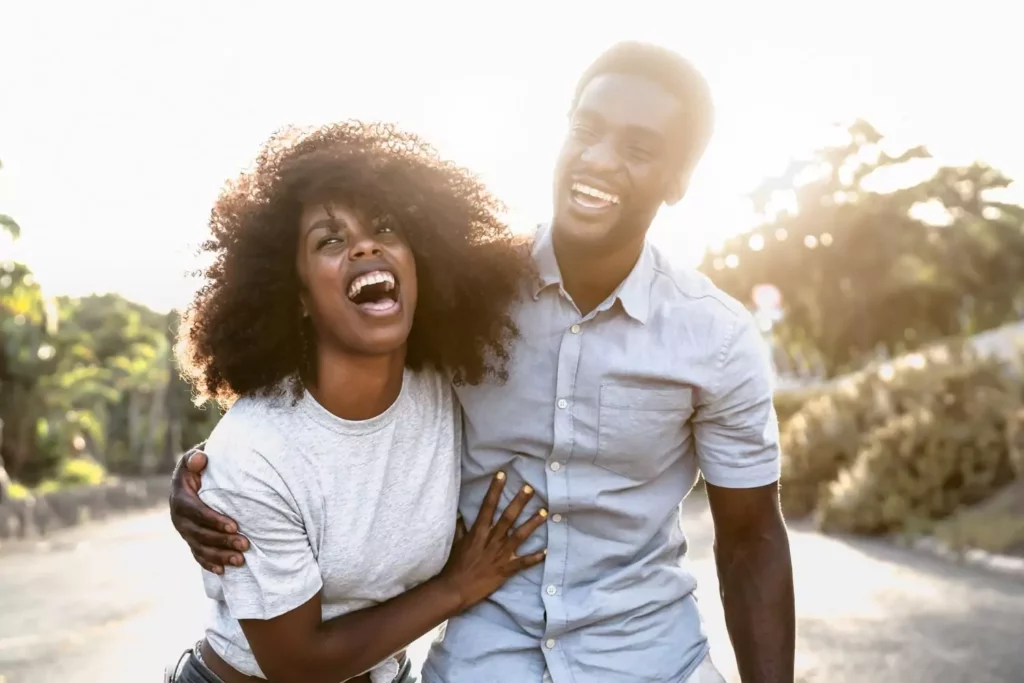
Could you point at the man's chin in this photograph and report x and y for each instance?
(588, 234)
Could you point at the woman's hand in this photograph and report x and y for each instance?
(484, 557)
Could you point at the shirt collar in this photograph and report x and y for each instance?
(634, 293)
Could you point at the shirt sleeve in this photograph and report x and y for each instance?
(280, 572)
(736, 431)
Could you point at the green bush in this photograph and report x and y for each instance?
(16, 491)
(833, 431)
(824, 436)
(80, 471)
(788, 402)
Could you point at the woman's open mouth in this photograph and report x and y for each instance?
(375, 293)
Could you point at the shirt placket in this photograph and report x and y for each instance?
(557, 471)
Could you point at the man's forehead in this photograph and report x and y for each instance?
(629, 100)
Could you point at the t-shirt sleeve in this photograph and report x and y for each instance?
(736, 431)
(280, 571)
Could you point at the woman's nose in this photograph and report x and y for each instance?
(364, 248)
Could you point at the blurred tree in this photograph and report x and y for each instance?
(861, 268)
(8, 224)
(93, 376)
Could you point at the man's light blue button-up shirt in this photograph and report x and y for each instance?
(609, 416)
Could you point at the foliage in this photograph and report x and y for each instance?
(903, 442)
(89, 376)
(859, 269)
(942, 448)
(16, 491)
(80, 471)
(996, 525)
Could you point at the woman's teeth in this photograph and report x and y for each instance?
(382, 305)
(376, 277)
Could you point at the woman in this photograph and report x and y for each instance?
(355, 277)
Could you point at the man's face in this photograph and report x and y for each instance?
(618, 164)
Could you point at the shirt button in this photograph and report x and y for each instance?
(575, 329)
(556, 466)
(562, 403)
(556, 517)
(552, 590)
(550, 643)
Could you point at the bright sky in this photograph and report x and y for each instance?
(120, 119)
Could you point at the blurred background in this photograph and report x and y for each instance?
(859, 196)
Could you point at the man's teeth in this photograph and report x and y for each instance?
(595, 193)
(373, 278)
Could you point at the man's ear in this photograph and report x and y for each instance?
(677, 188)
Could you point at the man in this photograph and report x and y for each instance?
(631, 377)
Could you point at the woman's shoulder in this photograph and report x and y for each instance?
(430, 387)
(253, 423)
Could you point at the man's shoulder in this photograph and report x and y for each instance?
(679, 285)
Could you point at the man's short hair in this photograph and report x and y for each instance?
(672, 72)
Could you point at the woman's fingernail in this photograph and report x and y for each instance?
(500, 476)
(545, 551)
(527, 489)
(543, 512)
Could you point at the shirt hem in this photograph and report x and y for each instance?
(746, 478)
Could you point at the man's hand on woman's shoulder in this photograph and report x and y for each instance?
(212, 537)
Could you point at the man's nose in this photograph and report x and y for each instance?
(601, 157)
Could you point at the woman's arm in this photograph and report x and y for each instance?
(298, 647)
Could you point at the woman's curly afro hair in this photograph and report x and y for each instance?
(245, 333)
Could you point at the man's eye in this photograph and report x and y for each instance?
(639, 153)
(581, 132)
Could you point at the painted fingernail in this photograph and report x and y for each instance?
(527, 489)
(500, 476)
(542, 512)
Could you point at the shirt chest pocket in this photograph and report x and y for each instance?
(641, 431)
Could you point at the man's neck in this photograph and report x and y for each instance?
(590, 278)
(358, 387)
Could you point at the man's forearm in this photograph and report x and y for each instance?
(756, 579)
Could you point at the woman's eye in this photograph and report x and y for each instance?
(383, 225)
(327, 241)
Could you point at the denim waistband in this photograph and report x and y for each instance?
(193, 670)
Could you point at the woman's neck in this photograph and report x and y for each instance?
(358, 387)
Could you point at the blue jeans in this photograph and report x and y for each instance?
(191, 669)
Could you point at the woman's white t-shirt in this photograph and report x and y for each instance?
(362, 511)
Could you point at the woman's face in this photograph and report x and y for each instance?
(359, 278)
